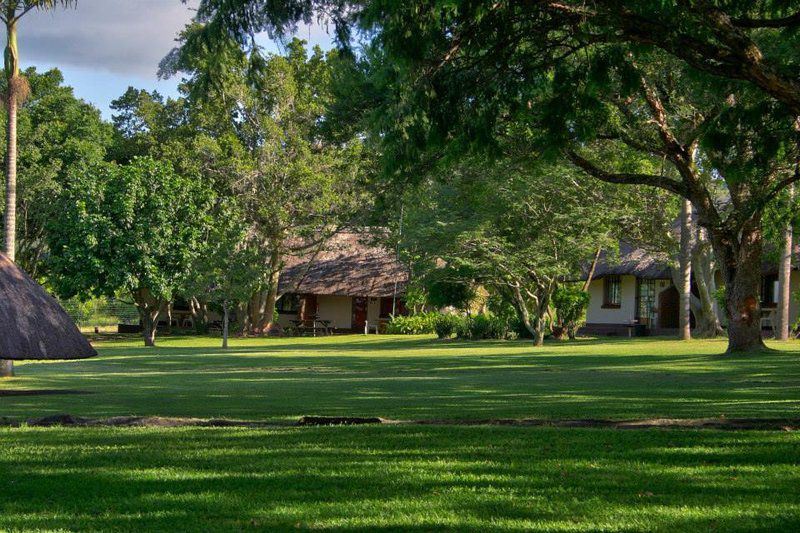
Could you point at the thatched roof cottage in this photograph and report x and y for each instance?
(351, 281)
(636, 288)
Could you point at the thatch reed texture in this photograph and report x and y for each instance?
(632, 261)
(349, 264)
(32, 323)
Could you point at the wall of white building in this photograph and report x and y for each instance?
(373, 310)
(337, 309)
(597, 314)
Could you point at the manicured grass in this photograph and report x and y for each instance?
(398, 478)
(405, 477)
(415, 378)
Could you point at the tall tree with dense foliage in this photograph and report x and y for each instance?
(294, 185)
(714, 83)
(227, 271)
(135, 229)
(517, 228)
(59, 133)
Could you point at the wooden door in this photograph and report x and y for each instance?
(359, 312)
(669, 302)
(308, 307)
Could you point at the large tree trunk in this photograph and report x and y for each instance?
(271, 294)
(685, 287)
(707, 323)
(592, 268)
(149, 308)
(534, 322)
(149, 326)
(242, 312)
(272, 298)
(739, 258)
(256, 312)
(784, 281)
(199, 310)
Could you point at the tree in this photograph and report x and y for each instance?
(685, 267)
(518, 229)
(725, 146)
(780, 222)
(752, 41)
(294, 185)
(59, 133)
(459, 70)
(134, 228)
(227, 270)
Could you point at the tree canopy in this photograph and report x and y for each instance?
(134, 229)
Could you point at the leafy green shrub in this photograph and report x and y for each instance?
(479, 327)
(720, 295)
(570, 304)
(419, 324)
(485, 326)
(443, 293)
(445, 325)
(463, 327)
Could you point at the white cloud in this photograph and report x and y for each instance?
(126, 37)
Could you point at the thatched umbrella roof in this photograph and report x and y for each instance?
(32, 323)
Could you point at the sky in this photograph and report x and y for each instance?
(104, 46)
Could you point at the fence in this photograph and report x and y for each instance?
(101, 312)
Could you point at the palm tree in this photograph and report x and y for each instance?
(11, 11)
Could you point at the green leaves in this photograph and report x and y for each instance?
(128, 227)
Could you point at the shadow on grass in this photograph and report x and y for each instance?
(416, 378)
(398, 479)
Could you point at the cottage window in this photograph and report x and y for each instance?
(288, 304)
(769, 290)
(612, 292)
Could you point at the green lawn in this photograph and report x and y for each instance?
(415, 378)
(408, 477)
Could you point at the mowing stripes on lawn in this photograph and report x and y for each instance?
(398, 478)
(415, 378)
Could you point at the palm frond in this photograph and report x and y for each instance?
(16, 9)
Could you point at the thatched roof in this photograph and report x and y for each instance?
(639, 262)
(349, 264)
(632, 261)
(32, 323)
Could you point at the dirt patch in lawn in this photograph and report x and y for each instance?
(41, 392)
(781, 424)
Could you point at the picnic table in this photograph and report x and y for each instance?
(311, 325)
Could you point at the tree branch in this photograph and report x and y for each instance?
(626, 178)
(784, 22)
